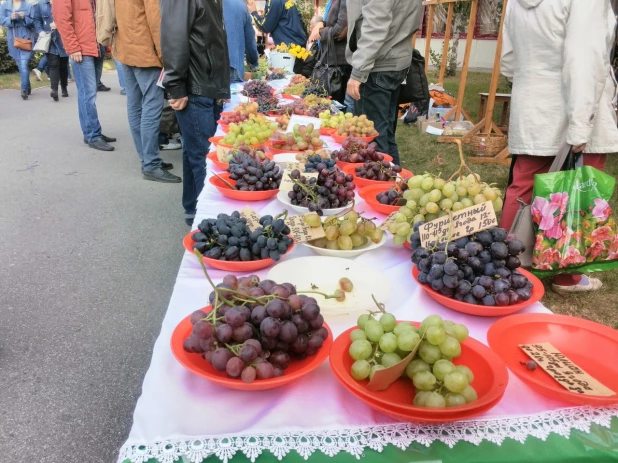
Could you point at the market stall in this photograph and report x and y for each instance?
(181, 416)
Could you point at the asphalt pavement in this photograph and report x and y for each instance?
(89, 253)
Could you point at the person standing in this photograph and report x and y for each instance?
(197, 79)
(282, 20)
(75, 22)
(137, 47)
(558, 55)
(380, 52)
(240, 38)
(57, 58)
(18, 17)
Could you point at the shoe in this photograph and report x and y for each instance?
(29, 90)
(105, 138)
(37, 73)
(172, 145)
(71, 80)
(65, 93)
(587, 284)
(54, 95)
(123, 92)
(24, 94)
(102, 88)
(189, 222)
(160, 175)
(101, 145)
(167, 165)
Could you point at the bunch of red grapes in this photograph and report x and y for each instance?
(331, 189)
(257, 89)
(382, 171)
(355, 150)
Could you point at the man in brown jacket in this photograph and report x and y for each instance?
(137, 46)
(75, 22)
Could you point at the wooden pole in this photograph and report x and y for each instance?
(414, 41)
(447, 39)
(495, 76)
(466, 62)
(428, 36)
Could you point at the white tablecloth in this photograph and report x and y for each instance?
(181, 414)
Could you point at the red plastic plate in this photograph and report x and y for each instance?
(342, 138)
(212, 156)
(236, 194)
(369, 194)
(363, 182)
(342, 164)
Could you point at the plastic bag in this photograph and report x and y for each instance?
(573, 222)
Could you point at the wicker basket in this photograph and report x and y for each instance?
(282, 61)
(494, 144)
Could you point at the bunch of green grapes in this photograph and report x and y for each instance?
(379, 344)
(255, 130)
(332, 120)
(294, 89)
(344, 233)
(429, 197)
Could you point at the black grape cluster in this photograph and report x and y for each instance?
(382, 171)
(229, 238)
(257, 89)
(276, 75)
(252, 175)
(481, 269)
(266, 105)
(393, 196)
(315, 88)
(316, 163)
(332, 189)
(259, 339)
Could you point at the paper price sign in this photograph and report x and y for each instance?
(291, 165)
(563, 370)
(287, 183)
(253, 218)
(303, 120)
(389, 220)
(458, 224)
(301, 232)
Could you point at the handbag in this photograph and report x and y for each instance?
(22, 44)
(330, 76)
(43, 43)
(523, 225)
(416, 88)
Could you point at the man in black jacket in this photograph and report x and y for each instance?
(197, 78)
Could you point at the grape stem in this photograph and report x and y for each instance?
(325, 296)
(381, 307)
(463, 165)
(224, 181)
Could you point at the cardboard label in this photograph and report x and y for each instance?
(303, 120)
(253, 218)
(390, 219)
(384, 378)
(458, 224)
(287, 183)
(291, 165)
(301, 232)
(564, 371)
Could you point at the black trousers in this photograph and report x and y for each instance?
(58, 71)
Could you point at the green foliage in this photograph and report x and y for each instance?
(7, 64)
(307, 11)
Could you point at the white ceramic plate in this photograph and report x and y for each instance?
(325, 272)
(282, 196)
(369, 246)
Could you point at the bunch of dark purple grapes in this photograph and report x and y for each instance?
(481, 269)
(276, 74)
(257, 89)
(315, 88)
(229, 238)
(267, 105)
(314, 111)
(253, 175)
(331, 189)
(256, 339)
(356, 150)
(382, 171)
(394, 195)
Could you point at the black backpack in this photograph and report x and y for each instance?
(416, 89)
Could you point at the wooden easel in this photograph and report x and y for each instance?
(486, 124)
(457, 110)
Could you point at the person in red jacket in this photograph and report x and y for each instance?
(75, 20)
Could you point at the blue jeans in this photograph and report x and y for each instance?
(144, 107)
(349, 102)
(24, 73)
(42, 66)
(119, 69)
(234, 76)
(379, 98)
(86, 83)
(198, 122)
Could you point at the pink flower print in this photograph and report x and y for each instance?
(595, 250)
(601, 210)
(556, 231)
(603, 234)
(566, 238)
(538, 245)
(543, 212)
(546, 258)
(613, 245)
(561, 199)
(572, 257)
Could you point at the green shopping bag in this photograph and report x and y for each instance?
(573, 223)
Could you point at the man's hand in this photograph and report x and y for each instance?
(52, 26)
(179, 103)
(315, 32)
(21, 15)
(77, 56)
(579, 148)
(251, 6)
(353, 89)
(13, 16)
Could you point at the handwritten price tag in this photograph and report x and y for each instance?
(291, 165)
(461, 223)
(301, 232)
(287, 183)
(563, 370)
(389, 220)
(253, 218)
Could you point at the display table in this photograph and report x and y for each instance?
(183, 415)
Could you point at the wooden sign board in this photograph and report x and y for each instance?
(564, 371)
(301, 232)
(287, 183)
(458, 224)
(253, 218)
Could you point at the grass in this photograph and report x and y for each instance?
(422, 153)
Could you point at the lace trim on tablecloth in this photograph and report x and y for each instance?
(355, 440)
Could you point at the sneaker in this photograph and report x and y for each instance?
(587, 284)
(38, 74)
(123, 92)
(172, 145)
(105, 138)
(163, 176)
(24, 94)
(101, 145)
(167, 165)
(54, 95)
(102, 88)
(71, 80)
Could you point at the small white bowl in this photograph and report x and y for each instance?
(369, 246)
(283, 197)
